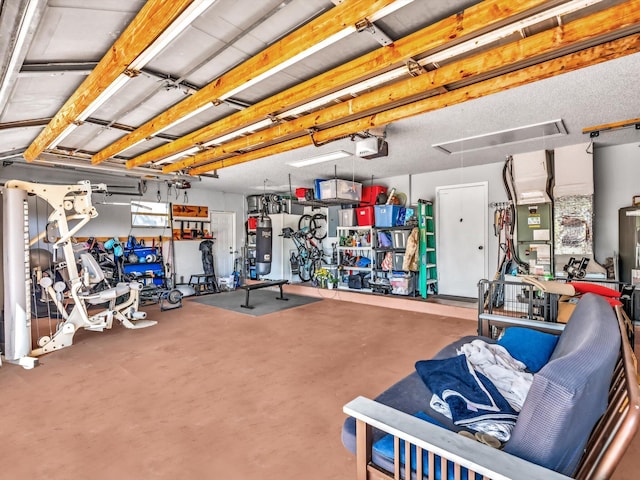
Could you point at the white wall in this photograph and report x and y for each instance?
(616, 179)
(423, 186)
(115, 220)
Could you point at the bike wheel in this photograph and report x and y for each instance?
(304, 223)
(318, 226)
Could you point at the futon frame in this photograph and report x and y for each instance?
(606, 445)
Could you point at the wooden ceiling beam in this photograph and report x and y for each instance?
(570, 37)
(154, 17)
(465, 24)
(339, 18)
(590, 56)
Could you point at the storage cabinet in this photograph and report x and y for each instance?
(389, 275)
(356, 257)
(145, 264)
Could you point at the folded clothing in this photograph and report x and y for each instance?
(470, 396)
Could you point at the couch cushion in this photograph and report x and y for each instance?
(409, 395)
(531, 347)
(569, 394)
(383, 455)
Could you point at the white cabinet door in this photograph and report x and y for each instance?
(461, 238)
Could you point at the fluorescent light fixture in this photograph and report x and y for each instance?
(237, 133)
(550, 129)
(327, 157)
(176, 156)
(278, 68)
(189, 115)
(352, 90)
(105, 95)
(495, 35)
(336, 37)
(183, 21)
(176, 28)
(64, 134)
(388, 10)
(23, 32)
(293, 60)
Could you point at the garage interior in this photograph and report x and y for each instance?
(223, 113)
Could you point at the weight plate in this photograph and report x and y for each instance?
(174, 296)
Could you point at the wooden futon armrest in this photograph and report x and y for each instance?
(475, 456)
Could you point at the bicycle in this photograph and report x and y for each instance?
(308, 256)
(315, 224)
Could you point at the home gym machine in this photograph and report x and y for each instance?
(61, 281)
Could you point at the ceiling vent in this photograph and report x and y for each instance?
(549, 129)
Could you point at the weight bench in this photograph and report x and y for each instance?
(255, 286)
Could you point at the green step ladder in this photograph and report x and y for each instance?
(428, 278)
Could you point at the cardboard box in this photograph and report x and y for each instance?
(566, 306)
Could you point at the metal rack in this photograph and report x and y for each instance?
(512, 298)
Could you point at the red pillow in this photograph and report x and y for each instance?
(586, 287)
(614, 302)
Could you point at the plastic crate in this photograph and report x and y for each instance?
(386, 215)
(337, 189)
(347, 217)
(364, 216)
(398, 260)
(400, 238)
(370, 194)
(402, 283)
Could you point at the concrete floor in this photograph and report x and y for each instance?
(209, 393)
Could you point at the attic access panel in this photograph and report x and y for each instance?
(549, 129)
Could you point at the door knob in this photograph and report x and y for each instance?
(480, 247)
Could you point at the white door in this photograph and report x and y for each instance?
(461, 238)
(223, 228)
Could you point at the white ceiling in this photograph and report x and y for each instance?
(71, 36)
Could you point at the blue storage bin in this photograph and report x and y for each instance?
(386, 215)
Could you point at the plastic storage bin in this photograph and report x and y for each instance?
(398, 260)
(370, 194)
(252, 223)
(386, 215)
(347, 217)
(402, 283)
(364, 216)
(400, 238)
(337, 189)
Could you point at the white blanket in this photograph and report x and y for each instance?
(504, 371)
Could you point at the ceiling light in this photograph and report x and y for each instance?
(336, 37)
(176, 28)
(64, 134)
(185, 153)
(500, 33)
(327, 157)
(189, 115)
(25, 29)
(389, 9)
(105, 95)
(504, 137)
(182, 22)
